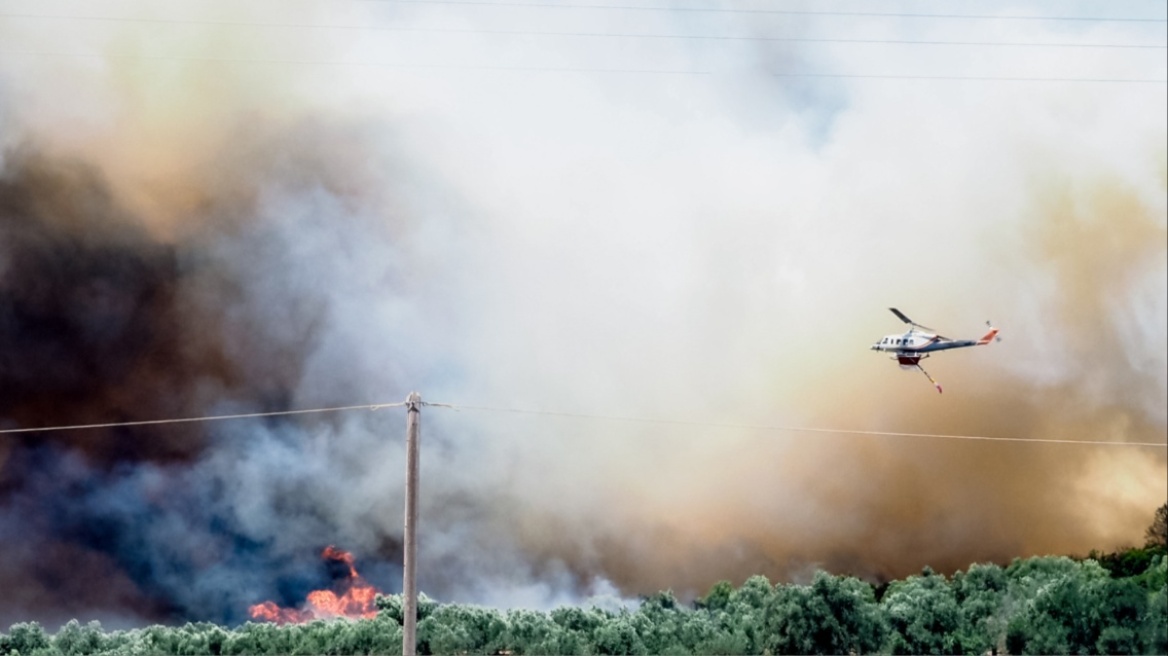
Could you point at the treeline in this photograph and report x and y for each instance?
(1041, 605)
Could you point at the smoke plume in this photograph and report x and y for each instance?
(222, 213)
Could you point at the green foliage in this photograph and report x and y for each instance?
(717, 598)
(458, 629)
(1156, 621)
(659, 623)
(618, 636)
(580, 620)
(530, 632)
(1050, 595)
(923, 615)
(1036, 605)
(833, 615)
(747, 612)
(74, 639)
(25, 639)
(1081, 610)
(981, 595)
(392, 606)
(1128, 562)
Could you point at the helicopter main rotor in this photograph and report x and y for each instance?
(900, 315)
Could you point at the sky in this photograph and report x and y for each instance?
(692, 213)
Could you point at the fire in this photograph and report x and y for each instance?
(351, 596)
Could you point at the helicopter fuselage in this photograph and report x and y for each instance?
(916, 343)
(909, 348)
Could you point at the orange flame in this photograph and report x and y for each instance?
(351, 597)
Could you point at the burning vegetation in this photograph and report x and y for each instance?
(350, 596)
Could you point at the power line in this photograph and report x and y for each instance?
(582, 415)
(779, 12)
(621, 35)
(362, 64)
(186, 420)
(567, 69)
(798, 429)
(972, 78)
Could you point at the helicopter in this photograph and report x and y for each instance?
(910, 348)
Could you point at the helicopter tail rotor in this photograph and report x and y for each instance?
(991, 336)
(997, 338)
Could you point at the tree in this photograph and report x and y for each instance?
(582, 620)
(381, 635)
(833, 615)
(438, 637)
(1078, 610)
(923, 614)
(658, 622)
(1157, 533)
(618, 636)
(981, 595)
(394, 605)
(1156, 621)
(1127, 562)
(462, 629)
(747, 611)
(24, 638)
(74, 639)
(527, 630)
(1121, 609)
(724, 642)
(576, 629)
(718, 596)
(696, 631)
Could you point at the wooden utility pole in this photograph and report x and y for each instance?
(409, 560)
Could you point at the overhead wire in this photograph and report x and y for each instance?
(973, 78)
(568, 69)
(797, 429)
(587, 416)
(369, 64)
(780, 12)
(187, 420)
(551, 33)
(587, 69)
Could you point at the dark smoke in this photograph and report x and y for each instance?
(102, 320)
